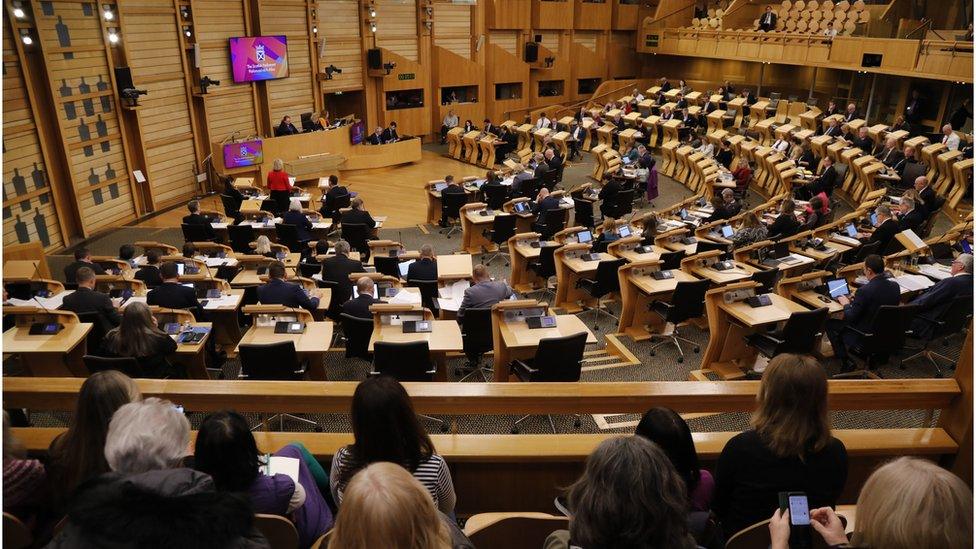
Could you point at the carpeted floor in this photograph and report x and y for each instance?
(663, 366)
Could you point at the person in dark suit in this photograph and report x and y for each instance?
(359, 306)
(425, 268)
(859, 312)
(358, 215)
(295, 216)
(767, 21)
(484, 292)
(540, 166)
(833, 128)
(910, 218)
(82, 259)
(824, 183)
(927, 194)
(544, 202)
(489, 128)
(390, 134)
(453, 188)
(786, 224)
(885, 231)
(171, 294)
(665, 85)
(553, 159)
(375, 138)
(279, 292)
(832, 108)
(936, 299)
(851, 113)
(724, 155)
(195, 218)
(890, 155)
(908, 158)
(724, 206)
(150, 272)
(285, 127)
(511, 142)
(86, 300)
(330, 202)
(521, 176)
(607, 195)
(863, 140)
(337, 270)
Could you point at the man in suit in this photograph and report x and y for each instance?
(358, 215)
(934, 302)
(885, 231)
(863, 140)
(851, 113)
(452, 188)
(767, 21)
(859, 312)
(337, 270)
(833, 128)
(908, 157)
(521, 176)
(425, 268)
(332, 196)
(665, 85)
(927, 194)
(607, 195)
(824, 183)
(489, 128)
(86, 300)
(279, 292)
(543, 122)
(390, 134)
(949, 138)
(553, 159)
(890, 155)
(171, 294)
(82, 259)
(576, 137)
(375, 138)
(195, 218)
(485, 292)
(359, 306)
(150, 272)
(285, 127)
(910, 218)
(540, 166)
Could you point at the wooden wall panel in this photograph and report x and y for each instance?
(396, 27)
(77, 62)
(29, 213)
(340, 29)
(586, 39)
(153, 49)
(550, 40)
(509, 14)
(295, 94)
(506, 40)
(452, 28)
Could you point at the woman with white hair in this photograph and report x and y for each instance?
(149, 500)
(279, 184)
(262, 246)
(295, 216)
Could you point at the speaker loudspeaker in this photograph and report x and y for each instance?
(531, 52)
(123, 78)
(374, 59)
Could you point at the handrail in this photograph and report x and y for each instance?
(682, 8)
(570, 107)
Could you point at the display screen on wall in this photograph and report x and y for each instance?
(357, 132)
(243, 154)
(255, 58)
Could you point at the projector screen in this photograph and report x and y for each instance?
(243, 154)
(255, 58)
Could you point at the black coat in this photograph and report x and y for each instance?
(890, 157)
(884, 234)
(85, 300)
(285, 129)
(301, 223)
(71, 270)
(359, 307)
(154, 364)
(337, 269)
(173, 295)
(422, 269)
(937, 298)
(150, 275)
(784, 226)
(289, 294)
(860, 312)
(390, 135)
(358, 217)
(913, 220)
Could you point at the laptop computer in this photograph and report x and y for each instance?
(837, 287)
(584, 237)
(624, 231)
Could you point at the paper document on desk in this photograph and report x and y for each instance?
(280, 465)
(51, 303)
(913, 282)
(843, 239)
(452, 295)
(404, 297)
(222, 301)
(117, 301)
(219, 225)
(220, 261)
(938, 272)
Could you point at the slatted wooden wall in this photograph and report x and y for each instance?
(586, 39)
(154, 51)
(340, 29)
(79, 70)
(452, 28)
(295, 94)
(506, 40)
(550, 40)
(230, 106)
(29, 212)
(396, 27)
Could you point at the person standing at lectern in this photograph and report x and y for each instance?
(279, 186)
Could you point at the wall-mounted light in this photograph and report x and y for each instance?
(315, 30)
(372, 11)
(372, 26)
(107, 12)
(25, 37)
(113, 36)
(19, 12)
(185, 12)
(187, 32)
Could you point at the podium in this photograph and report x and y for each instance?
(671, 129)
(627, 138)
(715, 119)
(470, 154)
(454, 142)
(604, 134)
(737, 104)
(314, 166)
(588, 139)
(540, 139)
(559, 138)
(809, 119)
(487, 146)
(524, 136)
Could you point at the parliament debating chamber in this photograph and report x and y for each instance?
(632, 273)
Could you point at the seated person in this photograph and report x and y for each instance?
(358, 215)
(336, 270)
(786, 224)
(859, 312)
(375, 138)
(725, 206)
(863, 140)
(424, 268)
(452, 188)
(608, 234)
(742, 175)
(608, 194)
(833, 128)
(390, 134)
(359, 306)
(82, 259)
(279, 292)
(330, 200)
(86, 300)
(910, 217)
(195, 218)
(521, 176)
(725, 154)
(824, 183)
(540, 166)
(815, 213)
(139, 337)
(285, 127)
(544, 202)
(484, 292)
(295, 216)
(27, 483)
(890, 155)
(751, 231)
(908, 158)
(667, 429)
(927, 195)
(450, 121)
(171, 294)
(553, 159)
(885, 231)
(190, 250)
(936, 299)
(149, 273)
(127, 252)
(262, 246)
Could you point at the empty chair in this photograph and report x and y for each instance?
(952, 321)
(584, 212)
(428, 294)
(127, 365)
(530, 188)
(551, 222)
(687, 302)
(197, 233)
(477, 337)
(496, 195)
(308, 270)
(230, 206)
(556, 359)
(502, 229)
(389, 266)
(100, 327)
(799, 335)
(273, 362)
(357, 235)
(767, 280)
(241, 237)
(357, 332)
(273, 206)
(545, 267)
(549, 179)
(288, 235)
(405, 362)
(279, 531)
(672, 260)
(886, 336)
(604, 282)
(858, 254)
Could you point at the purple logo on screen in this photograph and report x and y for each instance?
(258, 58)
(243, 154)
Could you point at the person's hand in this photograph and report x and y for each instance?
(828, 525)
(779, 530)
(844, 300)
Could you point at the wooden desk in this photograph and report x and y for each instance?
(310, 345)
(727, 353)
(638, 288)
(444, 337)
(569, 269)
(58, 355)
(454, 267)
(192, 357)
(454, 142)
(521, 253)
(518, 341)
(473, 224)
(742, 271)
(226, 328)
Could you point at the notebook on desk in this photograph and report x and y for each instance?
(289, 327)
(534, 322)
(417, 326)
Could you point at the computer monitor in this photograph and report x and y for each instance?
(404, 267)
(307, 124)
(837, 287)
(851, 230)
(780, 250)
(727, 231)
(440, 186)
(624, 231)
(584, 237)
(521, 207)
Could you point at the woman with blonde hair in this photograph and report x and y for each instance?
(905, 504)
(385, 506)
(262, 246)
(279, 185)
(788, 448)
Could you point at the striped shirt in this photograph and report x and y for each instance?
(432, 473)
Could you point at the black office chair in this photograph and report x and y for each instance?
(620, 205)
(496, 195)
(100, 327)
(530, 188)
(428, 294)
(357, 332)
(451, 212)
(550, 223)
(548, 179)
(273, 362)
(389, 266)
(127, 365)
(953, 321)
(556, 359)
(308, 270)
(476, 335)
(886, 336)
(288, 235)
(340, 293)
(227, 272)
(230, 206)
(273, 206)
(405, 362)
(767, 280)
(708, 246)
(197, 233)
(799, 335)
(858, 254)
(687, 302)
(605, 281)
(357, 235)
(241, 237)
(559, 173)
(502, 229)
(545, 267)
(671, 260)
(584, 212)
